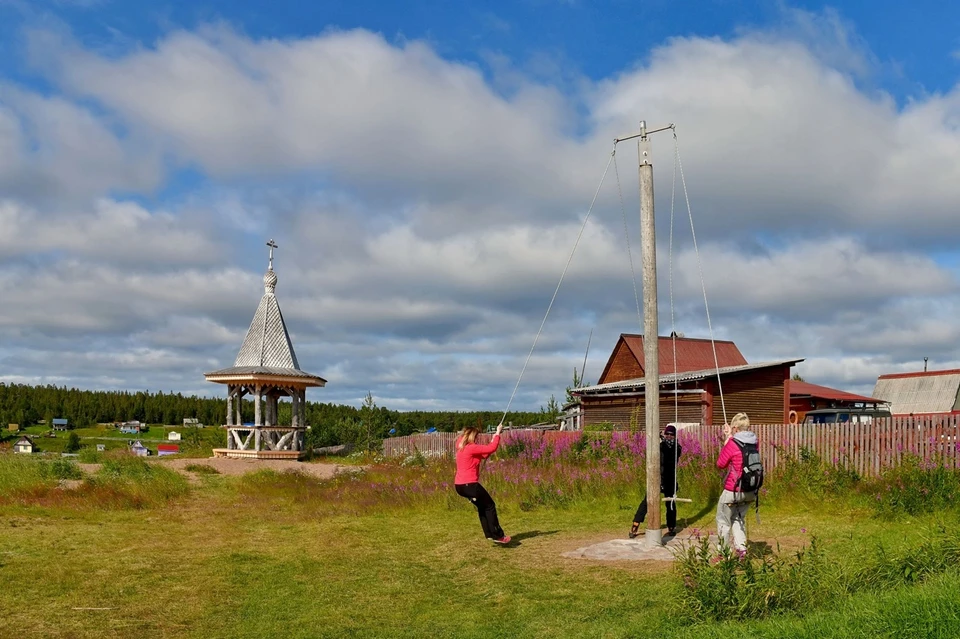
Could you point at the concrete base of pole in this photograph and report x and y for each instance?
(654, 538)
(637, 549)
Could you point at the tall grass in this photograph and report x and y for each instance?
(915, 486)
(123, 482)
(132, 482)
(733, 586)
(18, 472)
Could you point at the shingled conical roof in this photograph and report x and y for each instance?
(267, 349)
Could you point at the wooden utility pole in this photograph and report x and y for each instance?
(651, 330)
(651, 339)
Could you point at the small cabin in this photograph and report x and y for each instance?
(13, 427)
(23, 445)
(131, 428)
(138, 449)
(173, 436)
(167, 449)
(60, 424)
(193, 422)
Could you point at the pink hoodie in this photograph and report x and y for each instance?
(469, 458)
(730, 456)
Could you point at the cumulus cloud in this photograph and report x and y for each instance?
(425, 213)
(55, 149)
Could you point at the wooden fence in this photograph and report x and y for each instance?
(866, 448)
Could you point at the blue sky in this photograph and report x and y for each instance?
(425, 169)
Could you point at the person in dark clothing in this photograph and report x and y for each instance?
(669, 455)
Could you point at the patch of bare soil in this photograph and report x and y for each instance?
(228, 466)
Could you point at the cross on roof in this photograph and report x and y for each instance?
(272, 246)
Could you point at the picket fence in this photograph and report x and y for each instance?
(866, 448)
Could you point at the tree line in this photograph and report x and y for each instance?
(331, 424)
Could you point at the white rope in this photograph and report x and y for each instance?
(703, 286)
(562, 275)
(673, 332)
(626, 236)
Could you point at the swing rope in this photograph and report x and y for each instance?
(703, 285)
(562, 275)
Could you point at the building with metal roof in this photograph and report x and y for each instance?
(266, 368)
(921, 393)
(706, 394)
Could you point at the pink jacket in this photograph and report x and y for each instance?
(730, 456)
(469, 458)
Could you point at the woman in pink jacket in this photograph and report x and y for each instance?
(733, 504)
(467, 480)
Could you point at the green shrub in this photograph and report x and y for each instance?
(73, 443)
(732, 585)
(601, 427)
(62, 469)
(806, 473)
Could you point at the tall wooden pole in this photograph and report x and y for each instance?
(651, 340)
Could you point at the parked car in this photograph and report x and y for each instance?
(844, 415)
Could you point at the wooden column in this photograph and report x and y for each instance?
(294, 406)
(257, 413)
(239, 407)
(303, 408)
(229, 405)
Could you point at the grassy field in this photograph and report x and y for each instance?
(195, 442)
(392, 552)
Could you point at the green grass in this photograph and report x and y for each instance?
(195, 443)
(287, 555)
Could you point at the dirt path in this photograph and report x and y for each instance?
(227, 466)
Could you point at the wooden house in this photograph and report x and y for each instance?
(23, 445)
(173, 436)
(167, 449)
(691, 385)
(13, 427)
(60, 424)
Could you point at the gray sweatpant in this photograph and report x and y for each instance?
(731, 509)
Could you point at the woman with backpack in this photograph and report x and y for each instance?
(735, 499)
(467, 481)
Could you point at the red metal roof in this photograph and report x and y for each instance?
(825, 392)
(168, 447)
(693, 354)
(953, 371)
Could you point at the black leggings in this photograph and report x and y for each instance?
(485, 508)
(671, 510)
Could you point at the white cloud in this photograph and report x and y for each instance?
(54, 148)
(425, 214)
(110, 232)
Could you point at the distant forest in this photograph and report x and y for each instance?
(330, 423)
